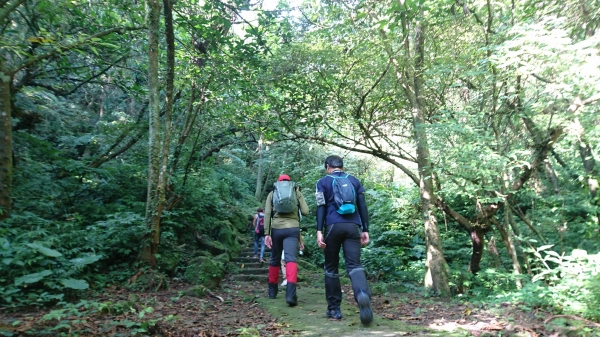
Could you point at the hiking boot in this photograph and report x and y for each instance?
(290, 295)
(272, 290)
(334, 313)
(364, 304)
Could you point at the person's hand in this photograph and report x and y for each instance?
(364, 238)
(320, 240)
(301, 245)
(268, 241)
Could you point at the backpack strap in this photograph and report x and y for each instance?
(338, 177)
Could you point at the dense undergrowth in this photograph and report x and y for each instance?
(76, 229)
(510, 122)
(82, 230)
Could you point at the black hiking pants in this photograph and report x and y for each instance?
(284, 239)
(347, 236)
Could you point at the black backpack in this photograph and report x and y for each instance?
(344, 194)
(260, 225)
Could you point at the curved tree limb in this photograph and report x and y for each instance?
(5, 12)
(109, 154)
(62, 49)
(59, 92)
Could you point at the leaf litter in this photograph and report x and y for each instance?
(243, 309)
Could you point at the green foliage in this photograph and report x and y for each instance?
(54, 260)
(567, 284)
(34, 273)
(67, 319)
(118, 236)
(572, 283)
(385, 264)
(397, 250)
(206, 270)
(489, 96)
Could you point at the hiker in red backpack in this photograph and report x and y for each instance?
(284, 207)
(259, 233)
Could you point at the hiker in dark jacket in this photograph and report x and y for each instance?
(335, 230)
(285, 234)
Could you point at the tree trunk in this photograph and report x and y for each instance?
(6, 162)
(436, 273)
(259, 173)
(551, 176)
(7, 8)
(163, 179)
(589, 164)
(267, 180)
(504, 230)
(515, 228)
(6, 156)
(585, 152)
(493, 250)
(190, 117)
(478, 241)
(153, 203)
(410, 75)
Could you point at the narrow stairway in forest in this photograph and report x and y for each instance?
(250, 269)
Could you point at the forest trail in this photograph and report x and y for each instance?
(308, 318)
(241, 307)
(395, 314)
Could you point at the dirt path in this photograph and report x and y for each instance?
(308, 318)
(243, 309)
(404, 314)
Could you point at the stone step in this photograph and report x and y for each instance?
(253, 265)
(261, 278)
(247, 259)
(251, 253)
(251, 247)
(254, 271)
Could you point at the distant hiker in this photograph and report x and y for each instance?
(284, 206)
(284, 282)
(259, 233)
(342, 221)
